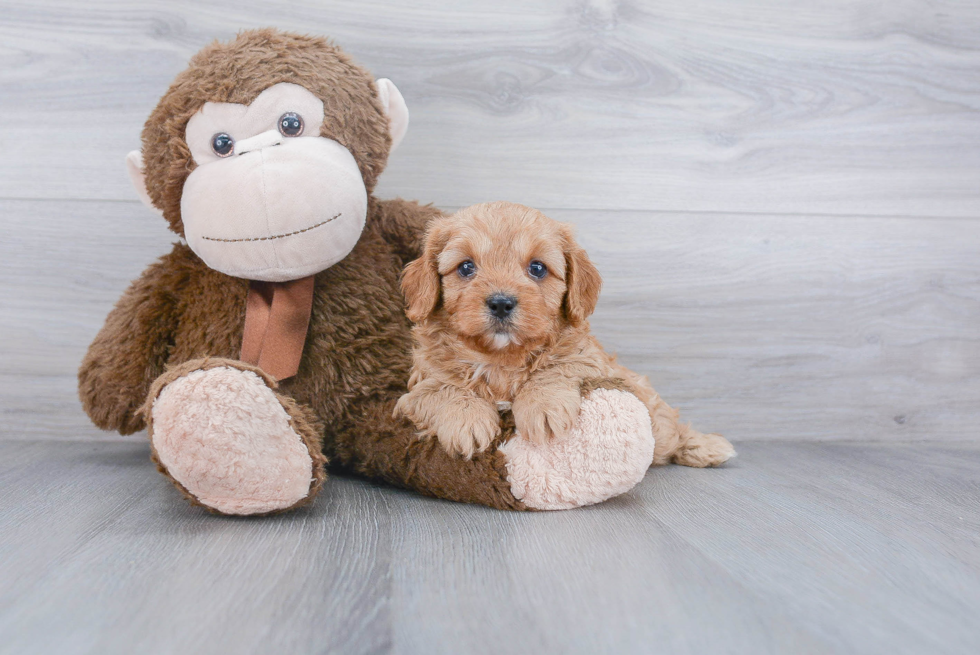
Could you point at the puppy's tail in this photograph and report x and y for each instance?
(679, 443)
(701, 450)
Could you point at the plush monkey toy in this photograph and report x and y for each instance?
(273, 335)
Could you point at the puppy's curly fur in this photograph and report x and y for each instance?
(500, 299)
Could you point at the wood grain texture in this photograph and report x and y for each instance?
(844, 107)
(801, 548)
(760, 327)
(783, 200)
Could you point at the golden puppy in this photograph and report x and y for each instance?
(501, 298)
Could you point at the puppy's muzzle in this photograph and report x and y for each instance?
(501, 306)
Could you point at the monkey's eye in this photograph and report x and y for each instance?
(291, 124)
(537, 270)
(467, 269)
(222, 144)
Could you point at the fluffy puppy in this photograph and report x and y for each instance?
(500, 299)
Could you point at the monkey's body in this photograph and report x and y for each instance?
(358, 347)
(227, 434)
(180, 310)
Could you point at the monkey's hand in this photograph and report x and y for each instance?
(129, 352)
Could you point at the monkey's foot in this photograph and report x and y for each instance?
(231, 443)
(606, 454)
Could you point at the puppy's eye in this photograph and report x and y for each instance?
(291, 124)
(467, 269)
(222, 144)
(537, 270)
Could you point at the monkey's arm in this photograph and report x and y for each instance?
(130, 351)
(402, 223)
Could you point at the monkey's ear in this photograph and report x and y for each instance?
(395, 109)
(134, 165)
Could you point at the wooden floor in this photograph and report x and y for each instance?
(793, 548)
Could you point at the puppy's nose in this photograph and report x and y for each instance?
(501, 305)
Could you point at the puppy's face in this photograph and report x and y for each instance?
(503, 275)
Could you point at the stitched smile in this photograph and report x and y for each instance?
(275, 236)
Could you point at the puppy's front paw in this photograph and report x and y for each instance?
(546, 413)
(469, 429)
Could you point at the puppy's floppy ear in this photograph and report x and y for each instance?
(420, 279)
(582, 281)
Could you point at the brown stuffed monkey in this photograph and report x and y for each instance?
(273, 335)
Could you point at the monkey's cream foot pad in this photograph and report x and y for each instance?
(605, 455)
(225, 438)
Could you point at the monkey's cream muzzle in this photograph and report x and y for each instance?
(277, 209)
(271, 205)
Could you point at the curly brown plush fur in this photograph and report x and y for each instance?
(357, 351)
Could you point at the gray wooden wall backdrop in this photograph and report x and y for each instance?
(784, 197)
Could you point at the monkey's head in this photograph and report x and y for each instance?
(262, 153)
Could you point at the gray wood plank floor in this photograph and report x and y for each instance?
(794, 548)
